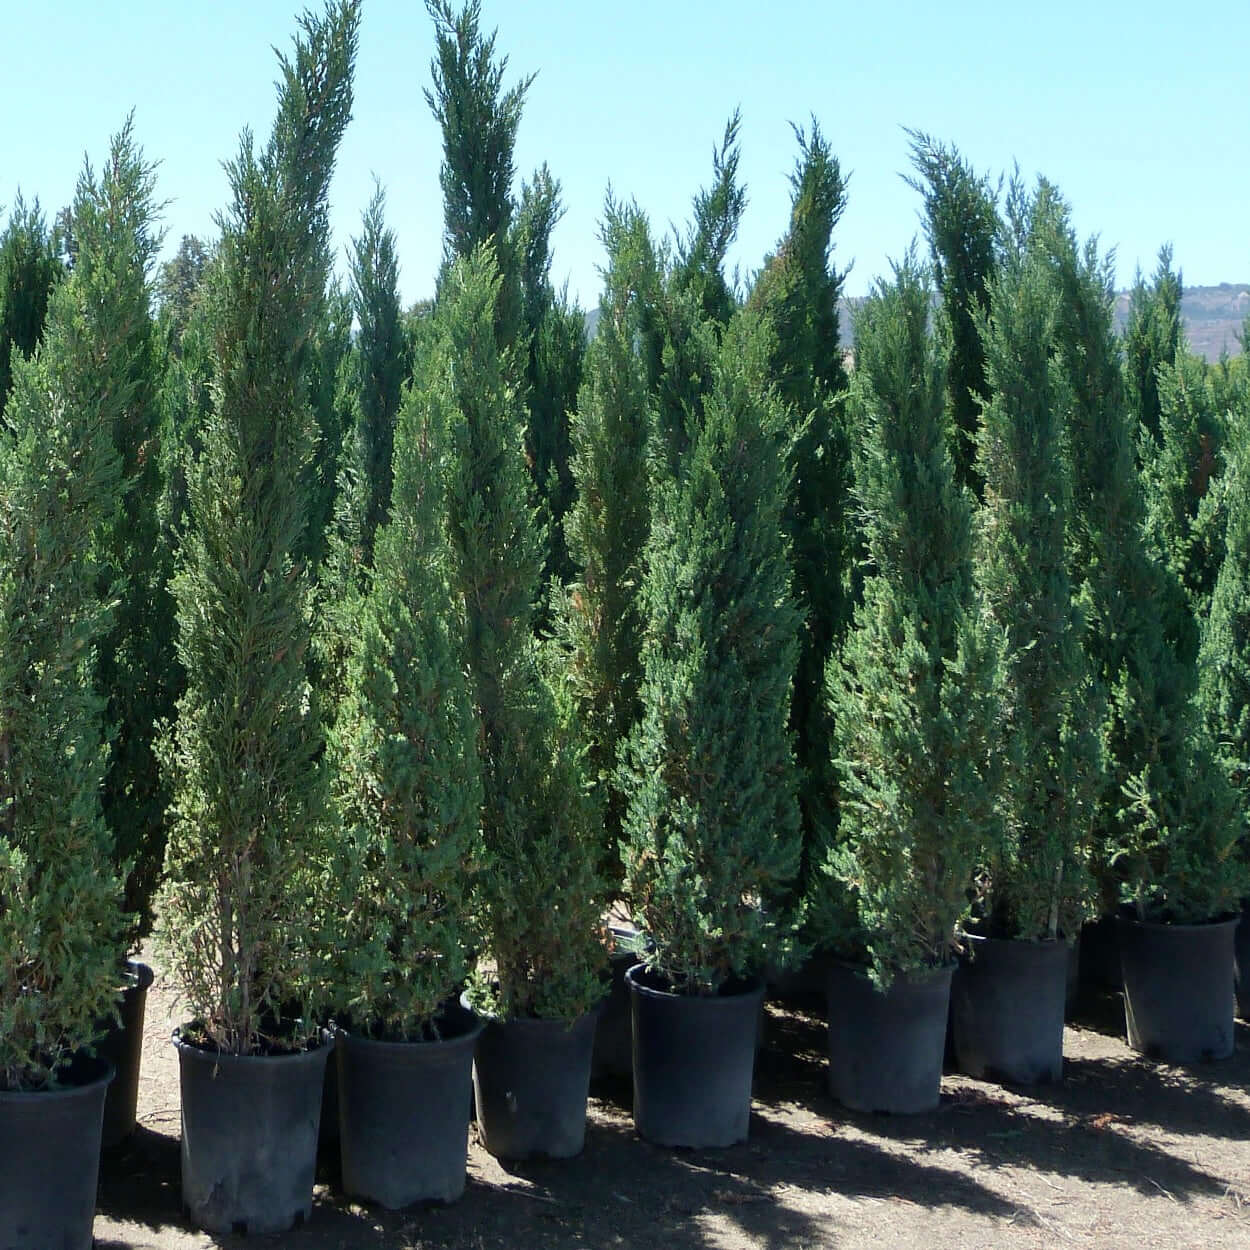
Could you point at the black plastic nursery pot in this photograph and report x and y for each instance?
(612, 1057)
(404, 1114)
(1100, 955)
(1007, 1010)
(530, 1082)
(1241, 949)
(694, 1060)
(122, 1046)
(50, 1153)
(249, 1137)
(1178, 989)
(885, 1048)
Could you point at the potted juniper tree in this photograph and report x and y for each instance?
(117, 243)
(1166, 827)
(917, 701)
(541, 894)
(407, 785)
(712, 827)
(243, 758)
(1008, 997)
(1224, 659)
(62, 927)
(599, 616)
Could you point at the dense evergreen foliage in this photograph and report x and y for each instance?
(62, 931)
(29, 268)
(135, 663)
(243, 759)
(712, 829)
(540, 825)
(600, 619)
(917, 693)
(961, 222)
(1035, 882)
(798, 290)
(404, 757)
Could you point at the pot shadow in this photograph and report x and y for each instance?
(777, 1190)
(1079, 1128)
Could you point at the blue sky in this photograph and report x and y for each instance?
(1138, 112)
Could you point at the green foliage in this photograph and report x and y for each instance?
(961, 222)
(1035, 883)
(62, 930)
(1185, 513)
(404, 758)
(798, 291)
(600, 619)
(117, 248)
(540, 826)
(177, 286)
(479, 121)
(1152, 339)
(917, 693)
(712, 829)
(1224, 661)
(243, 759)
(381, 362)
(29, 269)
(699, 269)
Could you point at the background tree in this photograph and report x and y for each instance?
(29, 268)
(600, 619)
(61, 926)
(917, 691)
(1224, 661)
(1152, 339)
(1036, 882)
(404, 755)
(380, 364)
(243, 758)
(712, 827)
(798, 291)
(1183, 472)
(479, 120)
(539, 824)
(118, 242)
(961, 223)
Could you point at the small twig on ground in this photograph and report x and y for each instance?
(1171, 1197)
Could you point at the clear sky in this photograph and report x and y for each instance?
(1139, 112)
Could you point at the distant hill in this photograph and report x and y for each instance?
(1213, 315)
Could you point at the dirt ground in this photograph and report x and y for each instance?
(1124, 1153)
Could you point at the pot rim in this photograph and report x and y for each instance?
(142, 975)
(82, 1089)
(753, 986)
(1199, 926)
(308, 1054)
(567, 1022)
(474, 1024)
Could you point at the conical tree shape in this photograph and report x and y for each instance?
(243, 758)
(540, 827)
(600, 619)
(404, 757)
(1152, 340)
(917, 694)
(29, 268)
(62, 930)
(136, 658)
(1036, 882)
(798, 290)
(1224, 661)
(961, 223)
(712, 828)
